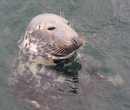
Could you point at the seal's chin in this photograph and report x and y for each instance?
(54, 57)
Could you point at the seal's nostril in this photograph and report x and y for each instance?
(51, 28)
(77, 42)
(74, 41)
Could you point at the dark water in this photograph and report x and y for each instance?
(103, 24)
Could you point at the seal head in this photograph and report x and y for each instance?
(52, 36)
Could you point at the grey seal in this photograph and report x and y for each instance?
(49, 73)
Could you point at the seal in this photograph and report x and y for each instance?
(49, 73)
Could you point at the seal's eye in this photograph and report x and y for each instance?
(51, 28)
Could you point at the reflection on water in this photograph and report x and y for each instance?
(104, 25)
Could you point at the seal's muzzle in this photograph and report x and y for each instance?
(64, 48)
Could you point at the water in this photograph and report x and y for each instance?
(103, 24)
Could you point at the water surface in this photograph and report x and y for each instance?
(103, 24)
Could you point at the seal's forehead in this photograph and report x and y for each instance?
(47, 18)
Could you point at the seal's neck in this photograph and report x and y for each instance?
(47, 61)
(66, 62)
(55, 62)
